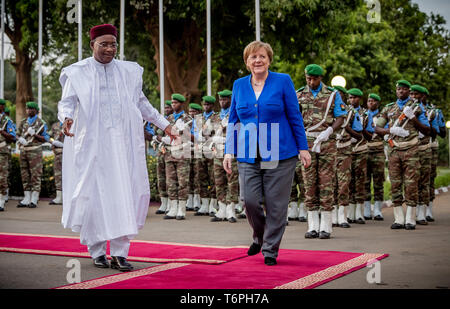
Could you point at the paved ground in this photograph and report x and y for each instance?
(418, 259)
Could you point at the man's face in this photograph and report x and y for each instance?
(31, 112)
(193, 112)
(168, 110)
(177, 106)
(104, 48)
(402, 92)
(354, 100)
(416, 95)
(208, 107)
(225, 102)
(372, 104)
(313, 82)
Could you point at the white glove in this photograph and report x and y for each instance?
(399, 131)
(338, 137)
(31, 131)
(353, 140)
(166, 140)
(22, 141)
(409, 112)
(386, 137)
(155, 138)
(58, 144)
(324, 135)
(218, 139)
(200, 138)
(421, 135)
(180, 125)
(316, 147)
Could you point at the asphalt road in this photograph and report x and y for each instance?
(417, 259)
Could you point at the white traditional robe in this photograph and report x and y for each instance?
(106, 190)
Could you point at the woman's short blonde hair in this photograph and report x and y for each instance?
(254, 46)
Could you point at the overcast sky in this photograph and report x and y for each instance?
(441, 7)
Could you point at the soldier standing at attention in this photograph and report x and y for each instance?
(33, 133)
(177, 160)
(7, 136)
(323, 113)
(161, 163)
(405, 119)
(351, 128)
(227, 185)
(205, 163)
(193, 202)
(375, 161)
(57, 139)
(359, 160)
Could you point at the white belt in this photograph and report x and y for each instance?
(3, 144)
(360, 148)
(312, 134)
(375, 144)
(435, 144)
(339, 144)
(32, 147)
(410, 143)
(424, 147)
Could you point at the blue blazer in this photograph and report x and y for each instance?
(272, 125)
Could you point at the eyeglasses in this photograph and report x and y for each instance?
(106, 45)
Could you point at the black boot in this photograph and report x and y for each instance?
(120, 263)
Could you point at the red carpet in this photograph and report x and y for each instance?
(140, 251)
(296, 269)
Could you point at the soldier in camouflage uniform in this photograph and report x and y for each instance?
(442, 132)
(7, 112)
(7, 136)
(177, 158)
(375, 161)
(161, 163)
(32, 132)
(359, 162)
(227, 185)
(406, 119)
(57, 139)
(205, 162)
(351, 128)
(193, 202)
(322, 109)
(296, 210)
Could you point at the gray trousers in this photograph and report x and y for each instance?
(271, 188)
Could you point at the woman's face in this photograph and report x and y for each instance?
(258, 62)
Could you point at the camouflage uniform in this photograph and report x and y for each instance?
(5, 155)
(161, 165)
(296, 201)
(403, 161)
(58, 135)
(31, 156)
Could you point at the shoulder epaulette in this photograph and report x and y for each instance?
(300, 89)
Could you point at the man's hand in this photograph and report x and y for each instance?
(399, 131)
(31, 131)
(305, 157)
(172, 133)
(67, 125)
(409, 112)
(22, 141)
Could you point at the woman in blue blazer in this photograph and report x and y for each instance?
(265, 134)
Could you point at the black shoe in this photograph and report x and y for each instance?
(344, 225)
(360, 221)
(422, 222)
(351, 221)
(242, 216)
(190, 209)
(217, 219)
(179, 217)
(201, 214)
(32, 205)
(120, 263)
(312, 234)
(324, 235)
(2, 209)
(397, 226)
(270, 261)
(367, 218)
(212, 214)
(160, 212)
(231, 220)
(409, 226)
(429, 219)
(20, 205)
(335, 225)
(254, 249)
(378, 218)
(302, 219)
(101, 262)
(169, 217)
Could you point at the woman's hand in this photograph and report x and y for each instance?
(227, 163)
(305, 157)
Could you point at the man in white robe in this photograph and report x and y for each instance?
(105, 181)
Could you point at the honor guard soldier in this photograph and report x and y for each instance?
(7, 136)
(193, 202)
(227, 185)
(205, 162)
(323, 112)
(177, 157)
(406, 119)
(57, 140)
(375, 161)
(351, 128)
(359, 161)
(160, 149)
(32, 132)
